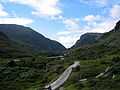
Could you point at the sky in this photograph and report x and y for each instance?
(62, 20)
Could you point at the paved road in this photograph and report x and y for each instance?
(60, 81)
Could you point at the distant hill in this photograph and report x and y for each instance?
(87, 39)
(110, 38)
(27, 39)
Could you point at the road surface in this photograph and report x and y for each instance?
(60, 81)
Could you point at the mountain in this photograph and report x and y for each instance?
(99, 63)
(3, 40)
(112, 38)
(99, 66)
(117, 27)
(30, 40)
(10, 48)
(107, 44)
(87, 39)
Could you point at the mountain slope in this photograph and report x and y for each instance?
(28, 38)
(107, 44)
(87, 39)
(111, 38)
(98, 59)
(3, 40)
(99, 64)
(9, 48)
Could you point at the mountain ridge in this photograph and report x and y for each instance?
(30, 39)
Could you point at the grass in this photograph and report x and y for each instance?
(89, 69)
(33, 73)
(29, 73)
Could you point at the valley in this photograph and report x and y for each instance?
(24, 68)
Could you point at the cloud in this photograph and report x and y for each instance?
(71, 23)
(103, 2)
(19, 21)
(92, 18)
(42, 7)
(115, 11)
(71, 34)
(2, 11)
(68, 38)
(73, 29)
(103, 26)
(67, 41)
(94, 2)
(6, 18)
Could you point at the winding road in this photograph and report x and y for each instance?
(60, 81)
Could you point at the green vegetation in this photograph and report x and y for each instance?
(28, 73)
(89, 69)
(33, 73)
(87, 39)
(99, 66)
(29, 40)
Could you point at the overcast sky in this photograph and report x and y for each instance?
(62, 20)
